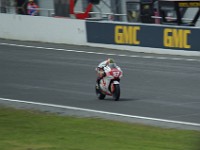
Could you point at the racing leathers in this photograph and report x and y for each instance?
(100, 70)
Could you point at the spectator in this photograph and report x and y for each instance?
(32, 8)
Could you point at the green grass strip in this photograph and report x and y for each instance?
(32, 130)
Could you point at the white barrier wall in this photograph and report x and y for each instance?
(62, 30)
(44, 29)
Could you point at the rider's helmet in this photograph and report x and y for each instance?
(110, 60)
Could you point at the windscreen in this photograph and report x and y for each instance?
(112, 65)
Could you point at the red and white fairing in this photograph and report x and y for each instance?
(112, 77)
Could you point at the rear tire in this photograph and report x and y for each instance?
(116, 93)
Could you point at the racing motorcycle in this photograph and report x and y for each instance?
(110, 83)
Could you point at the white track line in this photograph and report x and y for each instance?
(102, 112)
(97, 53)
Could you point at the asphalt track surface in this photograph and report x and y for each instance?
(155, 86)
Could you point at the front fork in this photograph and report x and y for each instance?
(112, 86)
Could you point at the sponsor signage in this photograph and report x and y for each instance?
(144, 35)
(189, 4)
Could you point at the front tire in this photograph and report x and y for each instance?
(116, 93)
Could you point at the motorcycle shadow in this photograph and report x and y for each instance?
(121, 99)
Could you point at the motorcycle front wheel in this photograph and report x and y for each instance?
(116, 93)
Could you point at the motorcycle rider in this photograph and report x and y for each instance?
(101, 71)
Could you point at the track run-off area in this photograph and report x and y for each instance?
(155, 89)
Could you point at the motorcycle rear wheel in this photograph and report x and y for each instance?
(116, 93)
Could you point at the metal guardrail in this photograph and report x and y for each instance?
(172, 18)
(108, 16)
(104, 16)
(94, 15)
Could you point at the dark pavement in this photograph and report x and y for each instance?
(152, 86)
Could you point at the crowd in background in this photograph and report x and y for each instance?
(23, 7)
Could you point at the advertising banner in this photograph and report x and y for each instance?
(155, 36)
